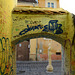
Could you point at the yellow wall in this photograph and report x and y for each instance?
(33, 46)
(21, 20)
(55, 46)
(6, 50)
(41, 3)
(58, 6)
(6, 56)
(32, 55)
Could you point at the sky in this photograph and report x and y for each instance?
(68, 5)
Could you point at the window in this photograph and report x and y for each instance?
(48, 4)
(20, 45)
(52, 5)
(58, 53)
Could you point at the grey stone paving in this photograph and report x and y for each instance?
(38, 68)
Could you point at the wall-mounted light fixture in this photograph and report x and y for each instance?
(40, 51)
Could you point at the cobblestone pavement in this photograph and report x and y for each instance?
(38, 68)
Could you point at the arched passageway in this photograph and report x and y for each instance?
(39, 65)
(31, 23)
(34, 22)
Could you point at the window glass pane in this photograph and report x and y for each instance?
(20, 45)
(48, 4)
(52, 5)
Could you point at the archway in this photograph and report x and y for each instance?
(33, 22)
(39, 66)
(7, 48)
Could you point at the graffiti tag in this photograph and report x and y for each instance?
(52, 26)
(6, 57)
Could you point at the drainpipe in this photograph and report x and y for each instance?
(36, 47)
(62, 65)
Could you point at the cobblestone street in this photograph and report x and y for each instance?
(38, 68)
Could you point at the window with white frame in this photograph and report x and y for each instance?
(52, 5)
(48, 4)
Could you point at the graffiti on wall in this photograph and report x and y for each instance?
(6, 56)
(52, 26)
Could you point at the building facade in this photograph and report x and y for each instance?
(39, 3)
(48, 3)
(22, 51)
(39, 49)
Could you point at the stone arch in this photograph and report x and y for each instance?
(38, 35)
(6, 32)
(46, 35)
(61, 32)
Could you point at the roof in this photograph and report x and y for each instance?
(35, 10)
(32, 1)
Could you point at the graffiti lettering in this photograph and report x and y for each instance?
(32, 22)
(29, 29)
(52, 26)
(20, 18)
(6, 57)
